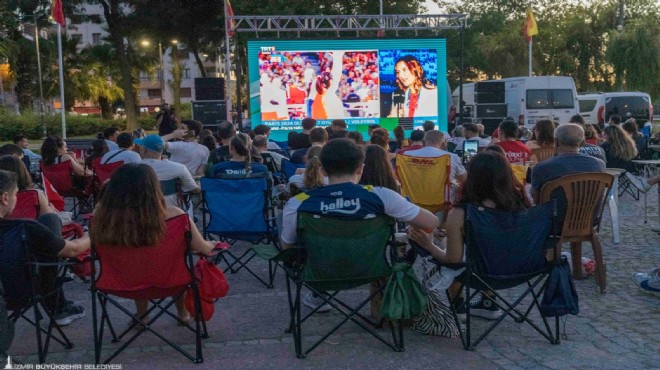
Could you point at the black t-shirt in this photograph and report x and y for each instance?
(40, 240)
(221, 154)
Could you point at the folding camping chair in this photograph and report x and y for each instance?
(273, 168)
(153, 273)
(338, 254)
(102, 173)
(27, 206)
(173, 187)
(289, 168)
(425, 181)
(239, 207)
(20, 274)
(504, 250)
(60, 175)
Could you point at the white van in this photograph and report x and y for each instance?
(596, 108)
(526, 99)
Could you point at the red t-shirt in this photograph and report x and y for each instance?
(516, 151)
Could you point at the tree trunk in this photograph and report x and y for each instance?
(200, 64)
(106, 108)
(177, 76)
(115, 27)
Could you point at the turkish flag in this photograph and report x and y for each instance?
(57, 12)
(52, 195)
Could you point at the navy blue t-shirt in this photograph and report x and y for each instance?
(237, 168)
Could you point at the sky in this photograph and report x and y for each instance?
(432, 7)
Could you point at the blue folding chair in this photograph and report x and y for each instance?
(239, 208)
(289, 168)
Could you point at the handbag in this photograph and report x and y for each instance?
(559, 296)
(212, 285)
(436, 319)
(403, 297)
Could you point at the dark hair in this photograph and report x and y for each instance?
(378, 168)
(400, 136)
(490, 177)
(590, 131)
(576, 119)
(381, 137)
(131, 212)
(417, 135)
(308, 123)
(49, 149)
(18, 137)
(293, 139)
(356, 136)
(209, 142)
(616, 119)
(15, 165)
(495, 148)
(125, 140)
(323, 81)
(109, 132)
(259, 141)
(341, 157)
(416, 69)
(472, 127)
(509, 128)
(11, 149)
(7, 181)
(318, 135)
(193, 125)
(428, 126)
(544, 132)
(339, 123)
(631, 128)
(226, 130)
(261, 130)
(99, 148)
(242, 145)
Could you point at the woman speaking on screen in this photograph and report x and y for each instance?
(326, 103)
(420, 96)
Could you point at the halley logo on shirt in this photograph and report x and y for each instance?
(341, 205)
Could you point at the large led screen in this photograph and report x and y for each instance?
(363, 82)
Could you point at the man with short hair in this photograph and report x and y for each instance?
(471, 132)
(110, 136)
(125, 152)
(189, 152)
(308, 124)
(434, 146)
(260, 143)
(33, 158)
(615, 120)
(516, 151)
(318, 137)
(568, 139)
(416, 142)
(428, 126)
(265, 131)
(44, 240)
(151, 151)
(589, 149)
(226, 131)
(338, 129)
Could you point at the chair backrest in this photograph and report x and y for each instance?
(146, 272)
(238, 204)
(426, 181)
(520, 172)
(27, 205)
(104, 171)
(585, 199)
(543, 153)
(344, 253)
(269, 162)
(59, 175)
(14, 271)
(289, 168)
(173, 187)
(508, 246)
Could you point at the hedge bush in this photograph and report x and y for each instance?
(30, 125)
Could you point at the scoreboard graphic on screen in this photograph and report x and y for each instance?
(387, 82)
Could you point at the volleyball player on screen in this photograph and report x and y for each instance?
(326, 103)
(420, 96)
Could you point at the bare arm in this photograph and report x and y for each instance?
(197, 244)
(176, 134)
(453, 252)
(75, 247)
(44, 205)
(425, 220)
(77, 168)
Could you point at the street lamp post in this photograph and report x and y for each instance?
(41, 87)
(161, 67)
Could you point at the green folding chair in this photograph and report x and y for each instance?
(337, 254)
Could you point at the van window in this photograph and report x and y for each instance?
(550, 99)
(637, 106)
(587, 106)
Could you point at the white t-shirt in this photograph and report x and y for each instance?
(168, 170)
(112, 145)
(128, 156)
(190, 154)
(457, 168)
(394, 205)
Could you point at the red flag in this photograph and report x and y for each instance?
(230, 24)
(57, 13)
(52, 195)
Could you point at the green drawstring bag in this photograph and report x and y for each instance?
(403, 297)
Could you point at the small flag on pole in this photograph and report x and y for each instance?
(230, 24)
(57, 13)
(529, 27)
(53, 196)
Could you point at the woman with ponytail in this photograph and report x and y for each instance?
(312, 177)
(241, 162)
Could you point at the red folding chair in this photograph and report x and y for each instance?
(102, 173)
(27, 206)
(153, 273)
(60, 175)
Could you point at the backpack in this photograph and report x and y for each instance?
(559, 296)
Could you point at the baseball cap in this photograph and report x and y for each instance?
(151, 142)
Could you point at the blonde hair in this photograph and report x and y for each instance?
(313, 177)
(622, 146)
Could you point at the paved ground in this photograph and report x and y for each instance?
(620, 329)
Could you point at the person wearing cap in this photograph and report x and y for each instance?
(125, 152)
(188, 152)
(151, 151)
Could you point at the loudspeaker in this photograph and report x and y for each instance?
(491, 110)
(489, 97)
(490, 125)
(209, 88)
(490, 86)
